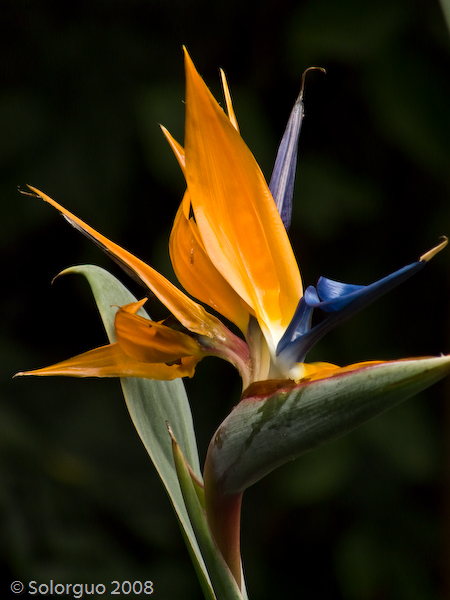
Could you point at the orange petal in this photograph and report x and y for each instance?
(198, 275)
(228, 101)
(112, 361)
(192, 315)
(237, 218)
(148, 341)
(177, 148)
(321, 370)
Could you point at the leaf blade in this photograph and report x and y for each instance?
(151, 404)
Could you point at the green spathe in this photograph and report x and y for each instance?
(262, 433)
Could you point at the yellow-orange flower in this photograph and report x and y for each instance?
(230, 250)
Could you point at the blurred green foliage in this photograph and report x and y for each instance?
(82, 89)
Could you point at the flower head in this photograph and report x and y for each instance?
(230, 250)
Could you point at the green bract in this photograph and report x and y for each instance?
(262, 433)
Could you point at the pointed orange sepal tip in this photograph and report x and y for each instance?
(177, 148)
(112, 361)
(429, 255)
(133, 307)
(236, 215)
(228, 101)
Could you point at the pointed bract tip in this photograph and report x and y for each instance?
(60, 274)
(429, 255)
(302, 87)
(169, 428)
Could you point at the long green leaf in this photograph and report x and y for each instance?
(151, 404)
(262, 433)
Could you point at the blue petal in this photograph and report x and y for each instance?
(301, 322)
(282, 181)
(335, 294)
(341, 300)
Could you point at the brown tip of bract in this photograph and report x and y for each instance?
(302, 87)
(169, 428)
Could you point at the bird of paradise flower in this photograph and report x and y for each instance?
(230, 250)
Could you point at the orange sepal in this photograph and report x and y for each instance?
(237, 218)
(112, 361)
(177, 148)
(198, 275)
(191, 314)
(150, 341)
(228, 101)
(320, 370)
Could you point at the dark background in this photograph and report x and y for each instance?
(82, 90)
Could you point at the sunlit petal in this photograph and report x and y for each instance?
(237, 218)
(148, 341)
(321, 370)
(112, 361)
(197, 274)
(177, 148)
(228, 101)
